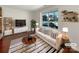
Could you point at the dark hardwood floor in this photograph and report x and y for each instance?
(6, 40)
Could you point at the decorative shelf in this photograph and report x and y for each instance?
(0, 17)
(0, 20)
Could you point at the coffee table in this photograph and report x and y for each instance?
(29, 40)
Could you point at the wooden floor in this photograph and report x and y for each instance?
(6, 40)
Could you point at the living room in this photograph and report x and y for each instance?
(42, 14)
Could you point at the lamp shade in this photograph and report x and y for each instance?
(37, 24)
(65, 29)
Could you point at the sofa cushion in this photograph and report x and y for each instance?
(53, 35)
(49, 32)
(45, 31)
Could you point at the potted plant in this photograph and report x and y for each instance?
(33, 25)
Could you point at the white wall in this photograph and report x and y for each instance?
(73, 27)
(17, 14)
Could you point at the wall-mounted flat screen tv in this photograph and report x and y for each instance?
(20, 23)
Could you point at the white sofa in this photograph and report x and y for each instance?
(47, 38)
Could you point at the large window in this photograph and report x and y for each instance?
(50, 19)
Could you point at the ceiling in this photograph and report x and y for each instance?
(27, 7)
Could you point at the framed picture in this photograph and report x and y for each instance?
(70, 16)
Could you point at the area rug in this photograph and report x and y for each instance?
(39, 46)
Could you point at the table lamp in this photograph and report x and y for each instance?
(37, 24)
(65, 29)
(62, 37)
(65, 35)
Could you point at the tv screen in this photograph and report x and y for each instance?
(20, 23)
